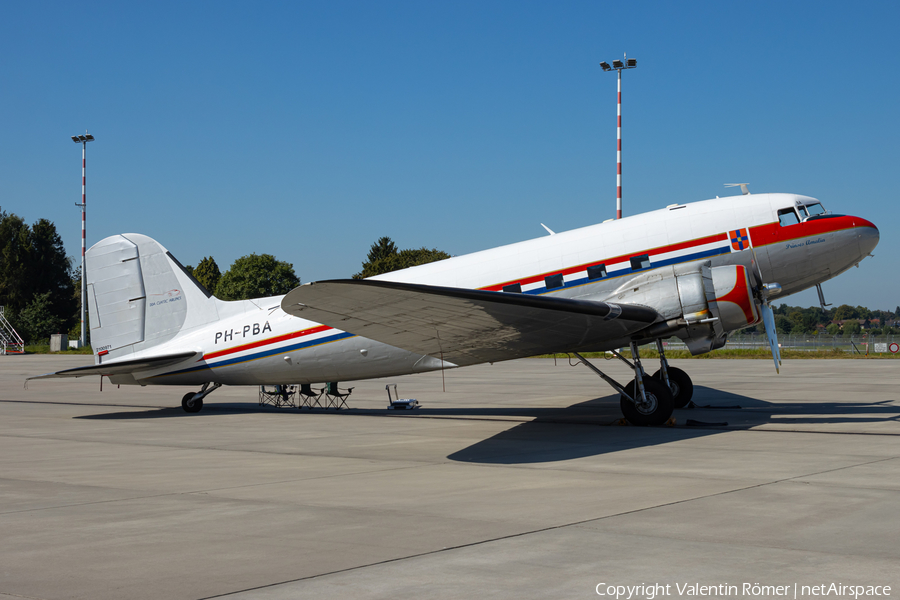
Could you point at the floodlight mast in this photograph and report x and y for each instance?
(83, 140)
(619, 66)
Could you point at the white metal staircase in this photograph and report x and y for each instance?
(10, 341)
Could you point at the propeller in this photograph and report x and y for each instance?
(769, 323)
(762, 298)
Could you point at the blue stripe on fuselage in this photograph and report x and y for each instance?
(537, 291)
(627, 271)
(265, 353)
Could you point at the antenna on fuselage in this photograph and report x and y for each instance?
(744, 190)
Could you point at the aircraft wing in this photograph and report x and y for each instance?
(121, 367)
(463, 326)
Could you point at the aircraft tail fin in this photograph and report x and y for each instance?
(139, 296)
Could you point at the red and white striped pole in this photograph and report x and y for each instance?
(83, 237)
(83, 140)
(619, 150)
(619, 66)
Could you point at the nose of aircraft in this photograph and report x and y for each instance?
(867, 235)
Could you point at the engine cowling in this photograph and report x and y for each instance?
(699, 303)
(734, 303)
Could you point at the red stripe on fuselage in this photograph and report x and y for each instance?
(719, 237)
(761, 235)
(496, 287)
(774, 233)
(266, 342)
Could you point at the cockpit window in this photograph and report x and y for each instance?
(787, 216)
(815, 209)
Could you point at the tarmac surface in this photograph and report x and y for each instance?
(514, 483)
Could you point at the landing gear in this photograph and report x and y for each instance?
(680, 385)
(189, 404)
(645, 401)
(679, 382)
(654, 408)
(193, 402)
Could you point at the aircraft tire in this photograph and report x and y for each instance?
(681, 385)
(190, 405)
(659, 407)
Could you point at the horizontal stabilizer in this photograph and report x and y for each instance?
(462, 325)
(122, 367)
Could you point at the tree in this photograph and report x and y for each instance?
(33, 262)
(833, 329)
(208, 274)
(256, 276)
(401, 260)
(75, 329)
(36, 322)
(51, 271)
(851, 328)
(15, 256)
(383, 248)
(802, 321)
(783, 324)
(383, 257)
(845, 311)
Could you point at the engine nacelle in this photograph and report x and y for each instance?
(698, 303)
(733, 304)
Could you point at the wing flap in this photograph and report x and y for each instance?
(461, 325)
(122, 367)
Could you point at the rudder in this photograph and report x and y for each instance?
(139, 295)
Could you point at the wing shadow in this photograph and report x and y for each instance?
(548, 438)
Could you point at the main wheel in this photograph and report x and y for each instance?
(654, 411)
(190, 405)
(681, 385)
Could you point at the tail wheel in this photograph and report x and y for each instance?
(680, 384)
(189, 404)
(655, 410)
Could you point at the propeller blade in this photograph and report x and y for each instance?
(755, 270)
(768, 317)
(769, 323)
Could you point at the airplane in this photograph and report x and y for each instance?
(698, 271)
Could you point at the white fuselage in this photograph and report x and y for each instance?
(255, 342)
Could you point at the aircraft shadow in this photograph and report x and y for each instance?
(597, 411)
(172, 412)
(716, 411)
(553, 434)
(600, 411)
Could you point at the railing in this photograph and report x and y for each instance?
(10, 341)
(858, 343)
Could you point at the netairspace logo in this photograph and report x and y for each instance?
(649, 591)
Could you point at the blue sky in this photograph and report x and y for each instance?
(307, 130)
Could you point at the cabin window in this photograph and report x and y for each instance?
(515, 288)
(553, 281)
(596, 272)
(640, 262)
(787, 216)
